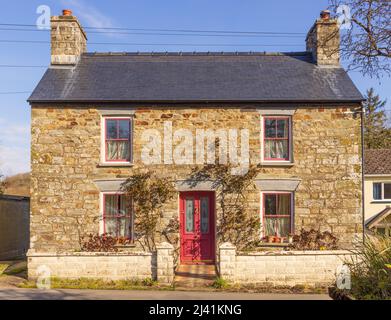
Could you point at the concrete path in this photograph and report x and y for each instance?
(71, 294)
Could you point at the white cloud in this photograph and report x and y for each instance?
(88, 14)
(14, 148)
(14, 159)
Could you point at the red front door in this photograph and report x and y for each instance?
(197, 216)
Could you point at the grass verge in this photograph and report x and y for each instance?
(99, 284)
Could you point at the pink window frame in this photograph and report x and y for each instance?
(288, 138)
(130, 216)
(264, 215)
(119, 139)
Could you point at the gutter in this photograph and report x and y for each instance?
(362, 171)
(200, 101)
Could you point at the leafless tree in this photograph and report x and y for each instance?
(366, 45)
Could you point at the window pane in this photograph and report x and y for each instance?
(111, 129)
(124, 227)
(204, 215)
(284, 204)
(189, 215)
(123, 150)
(387, 191)
(270, 228)
(281, 149)
(270, 149)
(277, 227)
(276, 149)
(111, 205)
(270, 128)
(111, 150)
(111, 226)
(124, 129)
(381, 231)
(377, 191)
(283, 227)
(270, 204)
(124, 205)
(282, 128)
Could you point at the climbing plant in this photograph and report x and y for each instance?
(149, 192)
(236, 223)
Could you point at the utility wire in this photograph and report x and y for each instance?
(15, 92)
(168, 30)
(20, 66)
(160, 44)
(169, 34)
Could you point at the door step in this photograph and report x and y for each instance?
(195, 275)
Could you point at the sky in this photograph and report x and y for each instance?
(229, 15)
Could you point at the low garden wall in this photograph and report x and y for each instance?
(158, 265)
(281, 268)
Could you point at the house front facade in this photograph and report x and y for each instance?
(377, 191)
(99, 117)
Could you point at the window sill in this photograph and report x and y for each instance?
(274, 244)
(381, 201)
(124, 246)
(114, 164)
(277, 164)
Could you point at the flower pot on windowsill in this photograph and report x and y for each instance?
(277, 239)
(270, 239)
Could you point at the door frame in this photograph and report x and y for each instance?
(192, 193)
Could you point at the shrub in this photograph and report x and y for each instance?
(370, 270)
(314, 240)
(99, 243)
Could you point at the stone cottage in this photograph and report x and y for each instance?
(98, 117)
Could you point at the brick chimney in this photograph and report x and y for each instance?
(68, 39)
(323, 41)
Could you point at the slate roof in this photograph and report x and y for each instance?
(196, 77)
(377, 161)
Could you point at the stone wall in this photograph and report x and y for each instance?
(66, 162)
(14, 226)
(106, 266)
(136, 265)
(281, 268)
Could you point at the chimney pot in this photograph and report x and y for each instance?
(66, 12)
(325, 14)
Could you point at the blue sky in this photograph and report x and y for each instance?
(237, 15)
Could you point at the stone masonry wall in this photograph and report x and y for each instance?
(285, 268)
(106, 266)
(158, 265)
(66, 154)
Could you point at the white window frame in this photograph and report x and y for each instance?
(102, 211)
(103, 140)
(292, 193)
(290, 140)
(382, 191)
